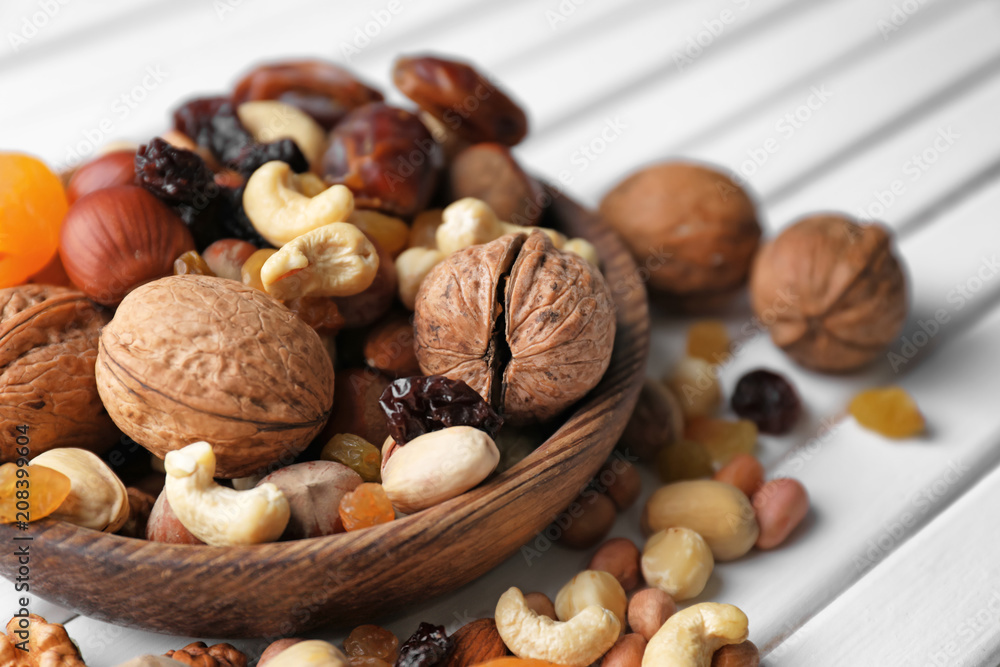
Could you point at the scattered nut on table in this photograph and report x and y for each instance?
(591, 587)
(690, 637)
(677, 561)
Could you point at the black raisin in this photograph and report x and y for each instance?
(417, 405)
(175, 175)
(255, 155)
(426, 647)
(768, 400)
(212, 122)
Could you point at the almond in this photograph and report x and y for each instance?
(475, 643)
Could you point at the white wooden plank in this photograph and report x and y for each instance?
(947, 571)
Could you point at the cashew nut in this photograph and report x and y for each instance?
(575, 643)
(333, 260)
(690, 637)
(591, 587)
(283, 205)
(391, 234)
(310, 653)
(215, 514)
(97, 498)
(412, 266)
(437, 466)
(270, 120)
(677, 561)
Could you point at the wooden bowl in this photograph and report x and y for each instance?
(285, 588)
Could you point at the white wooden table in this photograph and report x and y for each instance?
(886, 109)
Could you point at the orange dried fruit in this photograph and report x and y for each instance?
(365, 506)
(722, 438)
(32, 208)
(890, 411)
(708, 340)
(30, 493)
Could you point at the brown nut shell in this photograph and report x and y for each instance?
(490, 173)
(189, 358)
(48, 348)
(465, 101)
(832, 291)
(693, 229)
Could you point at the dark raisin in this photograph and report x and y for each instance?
(255, 155)
(768, 400)
(175, 175)
(417, 405)
(212, 122)
(426, 647)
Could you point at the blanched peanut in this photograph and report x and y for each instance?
(744, 472)
(627, 652)
(619, 557)
(744, 654)
(587, 520)
(648, 610)
(541, 605)
(781, 504)
(412, 266)
(678, 561)
(591, 587)
(719, 512)
(695, 383)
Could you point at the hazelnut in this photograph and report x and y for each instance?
(189, 358)
(530, 327)
(164, 526)
(832, 292)
(118, 238)
(692, 228)
(489, 172)
(114, 168)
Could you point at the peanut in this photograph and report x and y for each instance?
(627, 652)
(744, 472)
(541, 605)
(619, 557)
(648, 610)
(678, 561)
(589, 519)
(744, 654)
(780, 504)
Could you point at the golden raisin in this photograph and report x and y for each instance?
(356, 453)
(32, 208)
(890, 411)
(365, 506)
(708, 340)
(250, 273)
(371, 641)
(722, 438)
(683, 459)
(30, 493)
(191, 264)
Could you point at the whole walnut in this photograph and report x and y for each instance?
(48, 347)
(831, 291)
(199, 654)
(528, 326)
(189, 358)
(691, 228)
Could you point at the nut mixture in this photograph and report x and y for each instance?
(323, 312)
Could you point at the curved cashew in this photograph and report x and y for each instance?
(690, 637)
(215, 514)
(311, 653)
(574, 643)
(412, 266)
(391, 234)
(333, 260)
(283, 205)
(97, 498)
(270, 120)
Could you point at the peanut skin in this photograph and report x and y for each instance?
(622, 482)
(780, 505)
(541, 605)
(590, 518)
(619, 557)
(744, 654)
(744, 472)
(648, 610)
(627, 652)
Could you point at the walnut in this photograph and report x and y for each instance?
(48, 645)
(692, 229)
(48, 346)
(189, 358)
(199, 654)
(530, 327)
(832, 292)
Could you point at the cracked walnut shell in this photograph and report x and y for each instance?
(832, 292)
(189, 358)
(528, 326)
(48, 347)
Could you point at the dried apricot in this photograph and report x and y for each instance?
(356, 453)
(890, 411)
(30, 493)
(32, 208)
(365, 506)
(708, 340)
(722, 438)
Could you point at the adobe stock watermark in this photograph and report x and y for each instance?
(984, 620)
(898, 16)
(913, 169)
(921, 502)
(711, 30)
(224, 7)
(30, 26)
(364, 34)
(121, 109)
(563, 11)
(957, 297)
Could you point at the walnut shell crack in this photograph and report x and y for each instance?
(189, 358)
(48, 348)
(528, 326)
